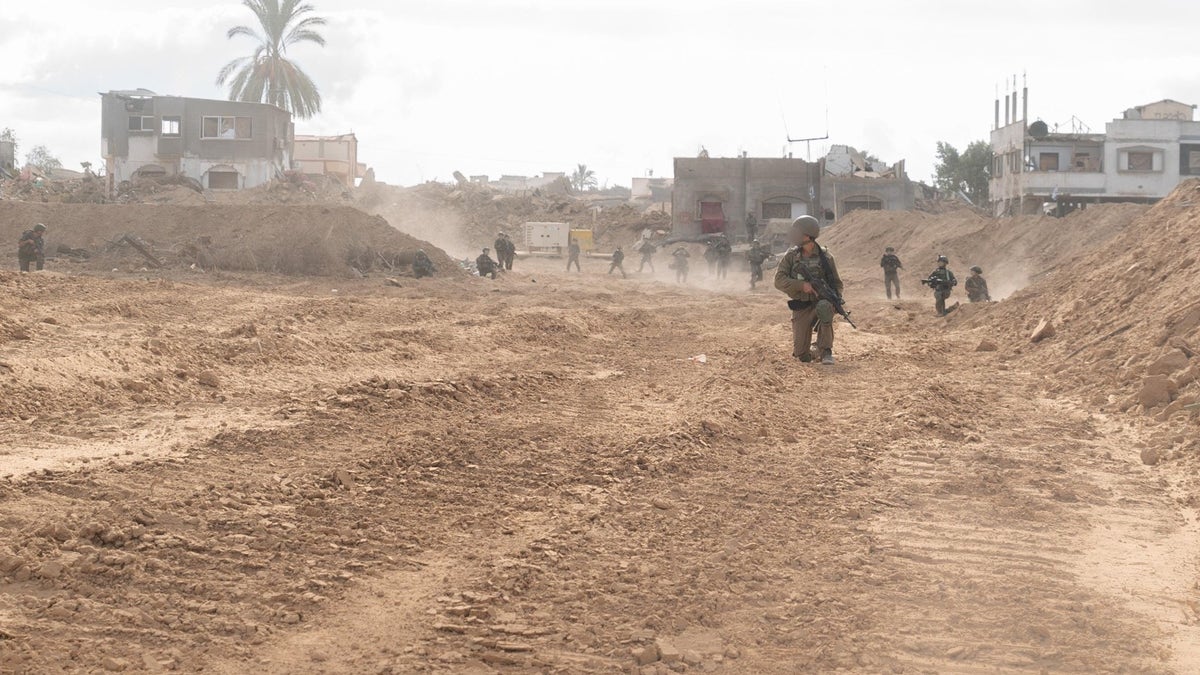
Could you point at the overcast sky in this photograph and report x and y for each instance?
(526, 86)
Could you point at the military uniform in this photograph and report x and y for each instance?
(573, 252)
(423, 266)
(757, 256)
(723, 252)
(618, 260)
(680, 265)
(751, 227)
(977, 288)
(647, 249)
(807, 309)
(941, 280)
(486, 266)
(506, 251)
(891, 273)
(31, 250)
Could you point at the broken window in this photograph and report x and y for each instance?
(233, 128)
(1141, 161)
(171, 126)
(1193, 159)
(1048, 161)
(782, 211)
(141, 123)
(862, 204)
(1084, 161)
(222, 180)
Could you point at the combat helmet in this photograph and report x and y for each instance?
(808, 226)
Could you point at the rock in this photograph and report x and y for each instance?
(660, 503)
(51, 570)
(1169, 363)
(291, 618)
(667, 652)
(393, 282)
(1150, 456)
(1156, 390)
(692, 658)
(114, 665)
(732, 653)
(644, 656)
(344, 479)
(955, 652)
(209, 378)
(987, 346)
(1044, 330)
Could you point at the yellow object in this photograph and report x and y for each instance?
(585, 239)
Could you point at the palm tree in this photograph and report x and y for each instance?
(583, 178)
(268, 76)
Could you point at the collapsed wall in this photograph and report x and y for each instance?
(1124, 318)
(324, 240)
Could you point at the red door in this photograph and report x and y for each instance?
(712, 217)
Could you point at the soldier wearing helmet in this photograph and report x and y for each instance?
(486, 266)
(891, 271)
(976, 286)
(506, 251)
(942, 281)
(809, 260)
(31, 250)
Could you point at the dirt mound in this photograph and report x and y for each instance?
(306, 240)
(1012, 251)
(465, 218)
(1125, 317)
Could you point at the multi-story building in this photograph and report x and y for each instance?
(716, 194)
(226, 145)
(1141, 157)
(331, 156)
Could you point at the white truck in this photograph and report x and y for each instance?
(547, 238)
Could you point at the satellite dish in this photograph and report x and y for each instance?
(1039, 130)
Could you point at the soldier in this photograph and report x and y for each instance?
(941, 280)
(32, 248)
(751, 226)
(809, 260)
(724, 253)
(423, 266)
(757, 256)
(486, 266)
(977, 290)
(573, 252)
(891, 271)
(505, 251)
(710, 256)
(618, 260)
(647, 250)
(680, 265)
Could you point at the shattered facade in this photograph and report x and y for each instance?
(226, 145)
(715, 194)
(854, 181)
(1142, 156)
(331, 156)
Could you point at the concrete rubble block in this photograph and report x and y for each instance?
(1169, 363)
(1045, 329)
(1157, 390)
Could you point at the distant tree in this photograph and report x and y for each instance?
(9, 135)
(40, 158)
(268, 76)
(583, 178)
(967, 172)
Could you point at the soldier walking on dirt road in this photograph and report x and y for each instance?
(618, 262)
(506, 251)
(942, 281)
(757, 255)
(680, 264)
(724, 253)
(573, 252)
(31, 250)
(891, 271)
(647, 250)
(805, 264)
(486, 266)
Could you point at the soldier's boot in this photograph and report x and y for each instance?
(827, 357)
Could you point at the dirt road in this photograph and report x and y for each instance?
(533, 476)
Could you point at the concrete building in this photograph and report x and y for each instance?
(715, 194)
(650, 189)
(523, 184)
(852, 181)
(331, 156)
(226, 145)
(1141, 157)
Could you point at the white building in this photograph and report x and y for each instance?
(1141, 157)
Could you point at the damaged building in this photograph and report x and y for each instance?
(712, 195)
(1141, 157)
(225, 145)
(8, 158)
(334, 157)
(717, 194)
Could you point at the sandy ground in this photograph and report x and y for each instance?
(253, 474)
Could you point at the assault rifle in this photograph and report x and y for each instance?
(825, 292)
